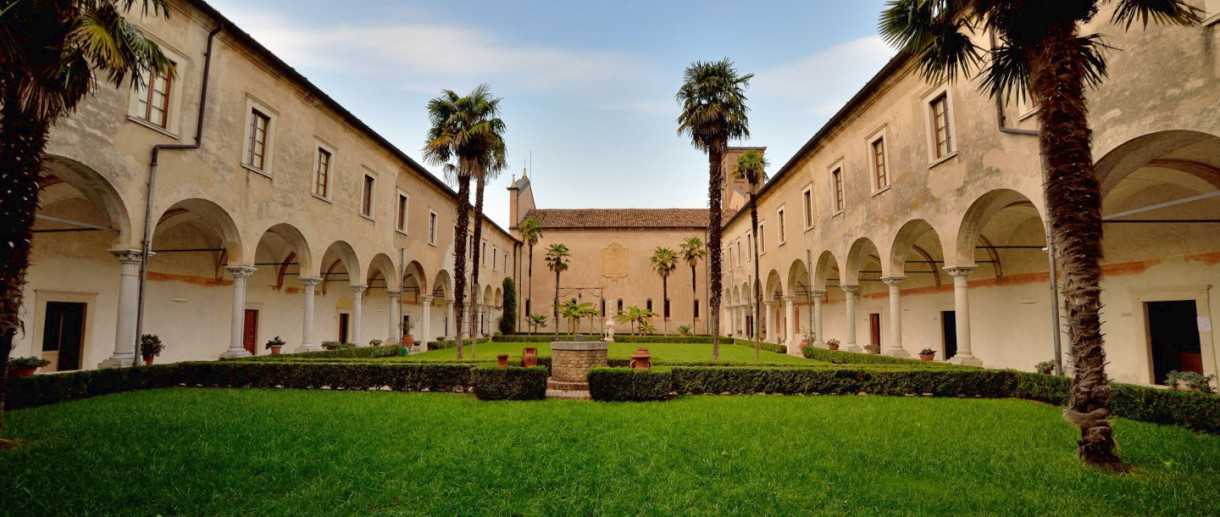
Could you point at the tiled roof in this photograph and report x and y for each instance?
(621, 217)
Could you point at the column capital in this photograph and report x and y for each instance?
(893, 281)
(818, 293)
(960, 270)
(129, 256)
(240, 271)
(310, 281)
(852, 289)
(769, 303)
(790, 298)
(428, 299)
(393, 294)
(359, 289)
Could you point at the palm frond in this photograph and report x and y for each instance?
(1092, 50)
(1007, 74)
(1164, 12)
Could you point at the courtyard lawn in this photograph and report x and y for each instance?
(661, 352)
(285, 452)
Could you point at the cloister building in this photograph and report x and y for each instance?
(915, 218)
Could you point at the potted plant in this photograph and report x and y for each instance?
(1045, 367)
(1189, 381)
(25, 366)
(407, 339)
(832, 344)
(330, 345)
(375, 342)
(807, 338)
(275, 345)
(927, 354)
(872, 349)
(502, 360)
(150, 347)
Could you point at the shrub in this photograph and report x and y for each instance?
(1190, 380)
(21, 363)
(841, 357)
(1045, 367)
(276, 341)
(770, 347)
(365, 353)
(946, 383)
(684, 330)
(150, 346)
(352, 376)
(449, 343)
(50, 389)
(375, 342)
(508, 320)
(623, 384)
(510, 383)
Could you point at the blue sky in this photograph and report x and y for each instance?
(588, 87)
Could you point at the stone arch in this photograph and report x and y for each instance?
(862, 253)
(774, 287)
(1191, 152)
(487, 294)
(981, 212)
(209, 218)
(920, 238)
(442, 285)
(339, 262)
(414, 283)
(383, 266)
(798, 279)
(94, 187)
(498, 299)
(289, 250)
(826, 266)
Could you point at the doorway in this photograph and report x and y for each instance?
(249, 338)
(874, 329)
(63, 336)
(1173, 331)
(344, 318)
(948, 329)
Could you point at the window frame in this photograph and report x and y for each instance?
(762, 238)
(402, 213)
(928, 101)
(780, 215)
(368, 195)
(433, 224)
(323, 146)
(807, 206)
(268, 165)
(173, 102)
(882, 168)
(838, 188)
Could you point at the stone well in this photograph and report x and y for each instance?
(570, 364)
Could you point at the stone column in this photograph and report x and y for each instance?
(895, 349)
(307, 344)
(732, 317)
(772, 332)
(425, 326)
(819, 339)
(851, 291)
(240, 274)
(449, 317)
(961, 309)
(794, 342)
(357, 309)
(395, 334)
(129, 307)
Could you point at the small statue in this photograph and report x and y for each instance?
(608, 330)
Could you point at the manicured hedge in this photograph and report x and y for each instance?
(618, 338)
(623, 384)
(449, 343)
(40, 390)
(358, 376)
(843, 357)
(770, 347)
(510, 383)
(360, 352)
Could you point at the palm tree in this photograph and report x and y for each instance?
(52, 54)
(557, 261)
(537, 320)
(489, 165)
(691, 251)
(664, 262)
(713, 111)
(464, 133)
(752, 167)
(1040, 47)
(531, 232)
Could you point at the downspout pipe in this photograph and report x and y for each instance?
(1001, 120)
(146, 244)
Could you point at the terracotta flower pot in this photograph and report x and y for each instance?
(408, 341)
(804, 343)
(22, 372)
(926, 357)
(148, 361)
(833, 347)
(641, 360)
(275, 350)
(529, 357)
(502, 360)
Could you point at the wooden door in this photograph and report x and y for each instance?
(250, 333)
(343, 324)
(874, 328)
(63, 334)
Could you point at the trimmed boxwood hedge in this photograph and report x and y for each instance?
(770, 347)
(509, 383)
(360, 352)
(624, 384)
(618, 338)
(449, 343)
(40, 390)
(843, 357)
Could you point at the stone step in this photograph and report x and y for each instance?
(553, 384)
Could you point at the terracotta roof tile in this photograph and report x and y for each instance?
(621, 217)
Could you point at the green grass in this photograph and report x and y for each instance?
(661, 352)
(284, 452)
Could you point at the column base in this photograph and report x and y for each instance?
(819, 344)
(117, 361)
(854, 348)
(967, 360)
(307, 348)
(897, 352)
(234, 352)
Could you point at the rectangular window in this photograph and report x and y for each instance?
(256, 148)
(762, 239)
(808, 202)
(780, 217)
(401, 220)
(321, 181)
(837, 184)
(432, 228)
(667, 308)
(940, 125)
(696, 308)
(366, 203)
(154, 102)
(495, 259)
(882, 179)
(483, 253)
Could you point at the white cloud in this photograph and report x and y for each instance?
(823, 81)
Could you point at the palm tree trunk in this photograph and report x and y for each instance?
(531, 296)
(714, 155)
(1074, 209)
(22, 143)
(664, 305)
(474, 264)
(757, 280)
(694, 296)
(556, 304)
(459, 259)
